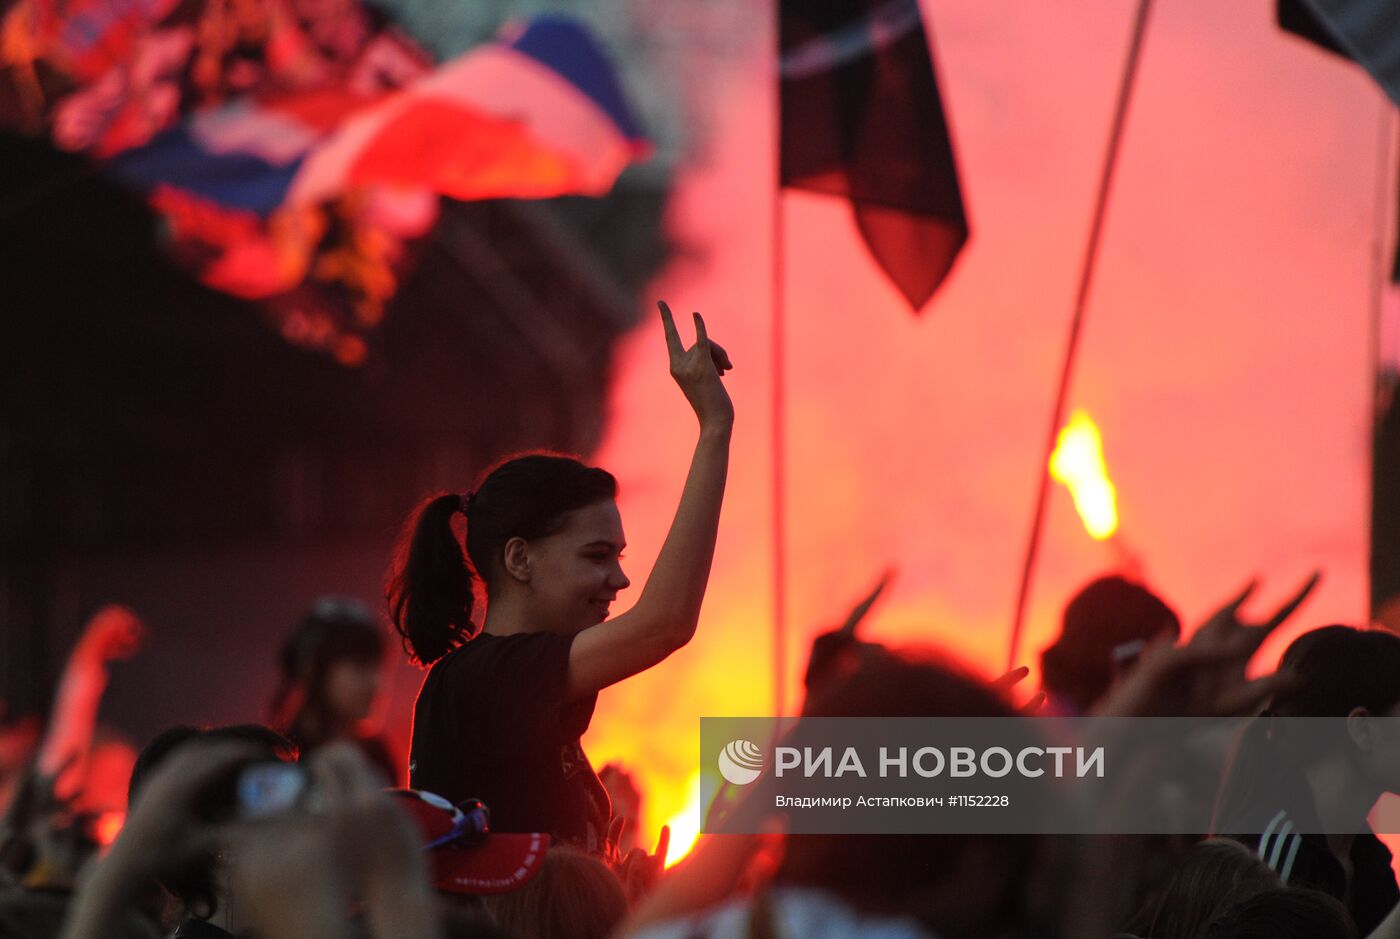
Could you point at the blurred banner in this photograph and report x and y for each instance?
(295, 150)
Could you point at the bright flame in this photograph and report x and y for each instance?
(685, 824)
(1078, 463)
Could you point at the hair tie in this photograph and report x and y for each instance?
(465, 503)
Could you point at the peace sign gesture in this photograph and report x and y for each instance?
(697, 370)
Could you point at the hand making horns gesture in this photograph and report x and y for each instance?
(1205, 676)
(698, 371)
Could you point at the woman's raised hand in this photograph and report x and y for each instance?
(698, 370)
(666, 614)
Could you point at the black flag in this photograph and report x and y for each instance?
(1366, 31)
(862, 119)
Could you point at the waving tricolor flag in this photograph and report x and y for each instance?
(294, 172)
(536, 114)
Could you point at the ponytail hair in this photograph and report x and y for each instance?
(429, 587)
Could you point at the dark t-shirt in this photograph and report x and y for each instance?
(1372, 892)
(1309, 862)
(492, 723)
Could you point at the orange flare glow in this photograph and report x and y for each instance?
(685, 824)
(1078, 463)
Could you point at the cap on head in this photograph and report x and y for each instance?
(465, 855)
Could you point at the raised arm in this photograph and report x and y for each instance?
(666, 613)
(113, 632)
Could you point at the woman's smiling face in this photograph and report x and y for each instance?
(576, 573)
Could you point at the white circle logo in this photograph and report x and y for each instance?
(740, 762)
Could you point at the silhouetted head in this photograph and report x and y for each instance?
(1333, 671)
(1106, 626)
(1285, 914)
(954, 884)
(195, 883)
(1212, 877)
(330, 668)
(574, 896)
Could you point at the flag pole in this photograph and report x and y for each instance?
(778, 406)
(1086, 276)
(1383, 384)
(778, 402)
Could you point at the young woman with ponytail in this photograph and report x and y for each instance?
(505, 700)
(1289, 787)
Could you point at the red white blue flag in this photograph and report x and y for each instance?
(294, 155)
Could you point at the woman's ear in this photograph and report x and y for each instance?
(516, 560)
(1360, 729)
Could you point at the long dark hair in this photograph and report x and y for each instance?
(430, 580)
(335, 629)
(1332, 670)
(1210, 878)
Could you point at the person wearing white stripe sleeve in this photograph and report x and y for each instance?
(1304, 802)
